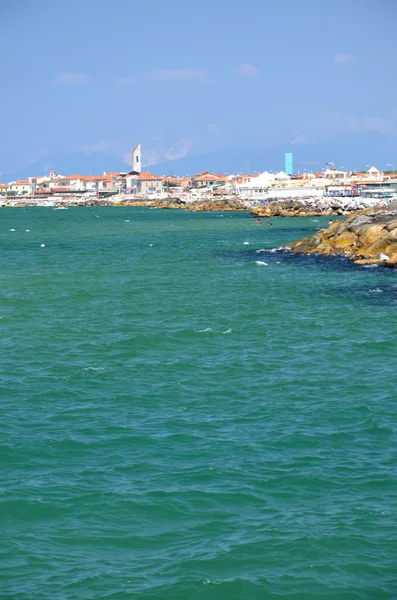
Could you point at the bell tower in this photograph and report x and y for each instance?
(136, 159)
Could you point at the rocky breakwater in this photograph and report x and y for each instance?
(368, 237)
(211, 204)
(313, 207)
(216, 204)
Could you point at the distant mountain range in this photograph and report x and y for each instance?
(351, 151)
(77, 163)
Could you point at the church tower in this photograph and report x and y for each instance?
(136, 159)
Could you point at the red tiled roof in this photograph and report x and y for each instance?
(146, 175)
(209, 177)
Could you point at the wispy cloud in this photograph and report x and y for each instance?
(343, 58)
(128, 81)
(166, 75)
(247, 71)
(179, 150)
(302, 139)
(73, 78)
(333, 122)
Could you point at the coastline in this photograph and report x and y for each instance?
(302, 207)
(366, 237)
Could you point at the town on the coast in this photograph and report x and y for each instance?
(331, 188)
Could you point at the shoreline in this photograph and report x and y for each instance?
(368, 237)
(303, 207)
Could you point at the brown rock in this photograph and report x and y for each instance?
(369, 234)
(356, 223)
(391, 249)
(392, 262)
(345, 239)
(364, 237)
(308, 244)
(325, 248)
(340, 227)
(391, 225)
(392, 236)
(374, 250)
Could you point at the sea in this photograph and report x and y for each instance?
(187, 414)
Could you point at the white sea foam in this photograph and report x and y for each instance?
(376, 291)
(12, 229)
(384, 256)
(246, 243)
(370, 266)
(227, 331)
(150, 245)
(127, 221)
(94, 369)
(42, 246)
(263, 250)
(260, 263)
(204, 330)
(27, 230)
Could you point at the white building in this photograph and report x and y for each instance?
(22, 187)
(374, 173)
(281, 176)
(256, 185)
(335, 174)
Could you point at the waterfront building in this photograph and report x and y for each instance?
(146, 183)
(20, 187)
(208, 180)
(374, 173)
(333, 173)
(256, 185)
(281, 176)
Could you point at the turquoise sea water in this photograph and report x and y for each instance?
(180, 422)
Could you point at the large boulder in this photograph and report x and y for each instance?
(307, 244)
(375, 249)
(345, 239)
(369, 234)
(391, 225)
(356, 224)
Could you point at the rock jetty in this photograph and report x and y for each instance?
(367, 237)
(313, 207)
(212, 204)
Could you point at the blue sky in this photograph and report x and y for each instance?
(191, 77)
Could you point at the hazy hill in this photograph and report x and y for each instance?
(81, 163)
(352, 151)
